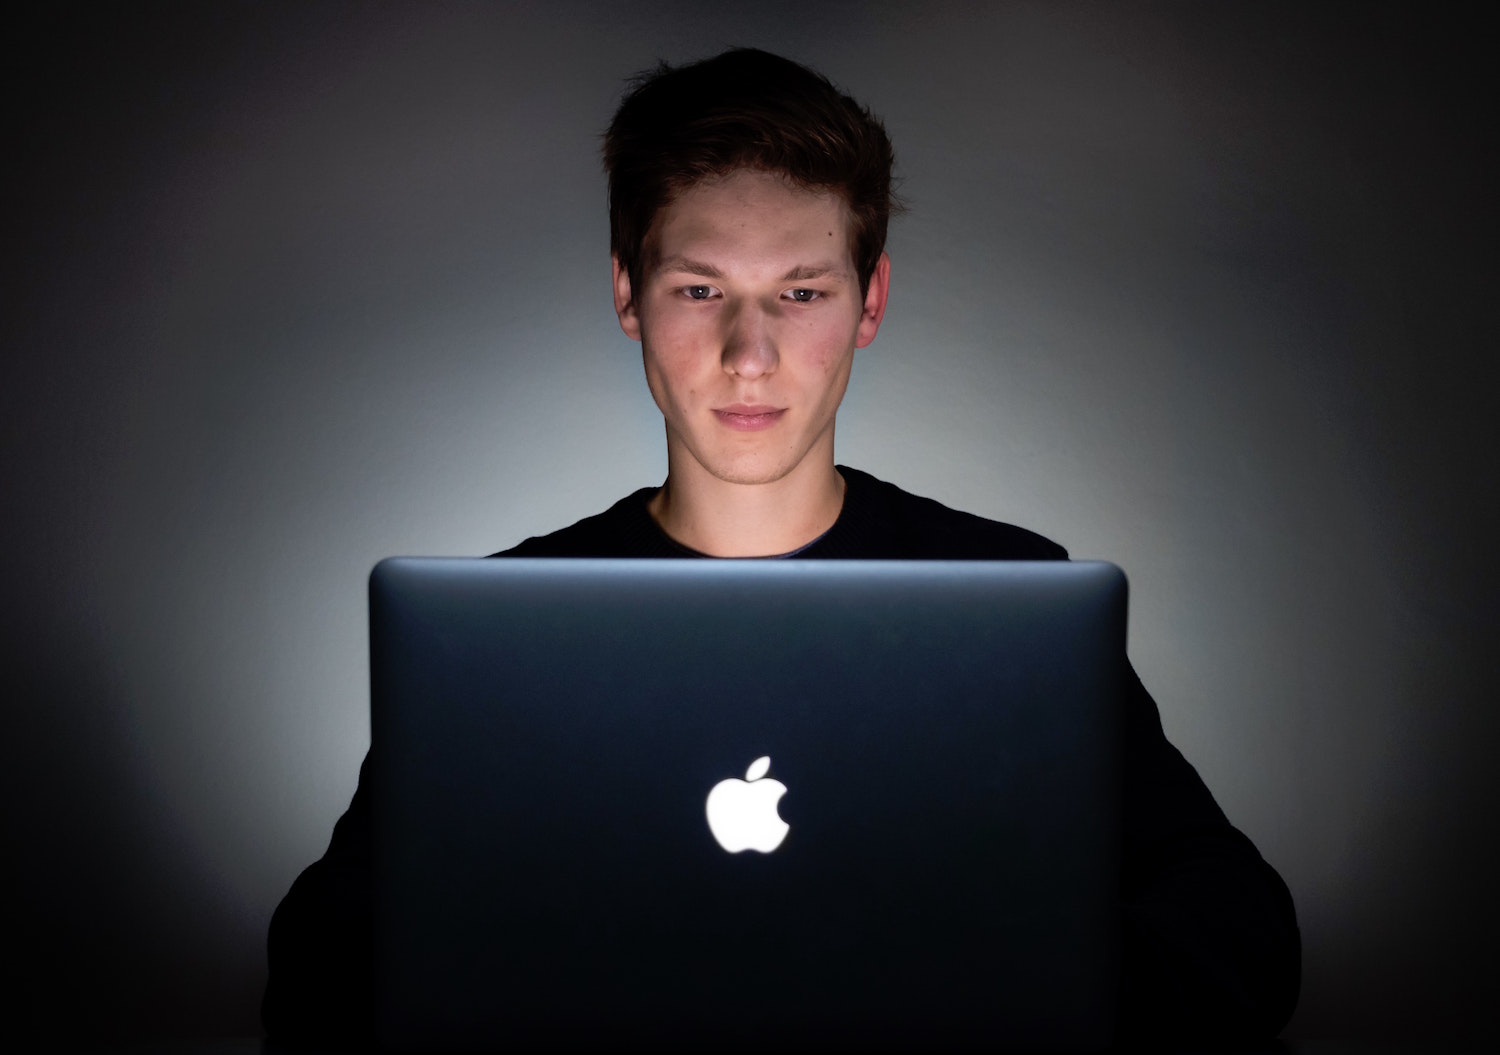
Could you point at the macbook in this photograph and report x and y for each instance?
(746, 804)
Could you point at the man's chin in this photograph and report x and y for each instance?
(750, 478)
(750, 472)
(752, 465)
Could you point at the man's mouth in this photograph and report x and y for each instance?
(748, 417)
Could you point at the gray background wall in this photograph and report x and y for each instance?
(1198, 289)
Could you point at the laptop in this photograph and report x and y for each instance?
(746, 804)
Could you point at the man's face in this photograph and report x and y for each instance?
(748, 317)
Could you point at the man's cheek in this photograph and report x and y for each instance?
(829, 354)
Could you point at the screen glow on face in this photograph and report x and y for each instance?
(748, 317)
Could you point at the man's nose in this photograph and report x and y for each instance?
(749, 343)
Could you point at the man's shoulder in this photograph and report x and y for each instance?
(912, 526)
(622, 530)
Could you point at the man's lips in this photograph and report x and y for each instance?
(748, 417)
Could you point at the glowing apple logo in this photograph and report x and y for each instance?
(742, 813)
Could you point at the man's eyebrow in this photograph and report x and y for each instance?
(800, 273)
(806, 272)
(690, 267)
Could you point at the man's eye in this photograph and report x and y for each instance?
(699, 292)
(804, 296)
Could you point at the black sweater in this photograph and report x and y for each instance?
(1211, 951)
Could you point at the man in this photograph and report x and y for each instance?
(748, 208)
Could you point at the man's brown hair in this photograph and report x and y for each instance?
(743, 109)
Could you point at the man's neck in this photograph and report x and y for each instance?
(723, 519)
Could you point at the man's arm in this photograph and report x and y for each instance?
(1212, 950)
(321, 951)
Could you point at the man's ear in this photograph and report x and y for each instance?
(625, 308)
(874, 307)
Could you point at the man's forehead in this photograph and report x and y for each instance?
(755, 214)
